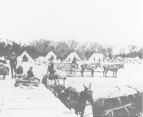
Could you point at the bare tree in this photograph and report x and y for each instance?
(73, 45)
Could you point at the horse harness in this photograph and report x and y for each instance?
(117, 108)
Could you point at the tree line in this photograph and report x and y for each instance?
(62, 49)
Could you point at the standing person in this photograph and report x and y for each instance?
(110, 55)
(51, 67)
(13, 64)
(74, 61)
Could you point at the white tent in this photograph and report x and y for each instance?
(71, 57)
(2, 58)
(40, 59)
(25, 54)
(96, 57)
(49, 55)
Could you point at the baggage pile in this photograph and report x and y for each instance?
(23, 80)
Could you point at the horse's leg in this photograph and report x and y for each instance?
(55, 81)
(106, 73)
(116, 73)
(64, 82)
(76, 112)
(103, 72)
(82, 111)
(113, 73)
(92, 72)
(82, 73)
(3, 77)
(58, 81)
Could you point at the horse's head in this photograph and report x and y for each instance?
(63, 94)
(121, 66)
(88, 94)
(98, 65)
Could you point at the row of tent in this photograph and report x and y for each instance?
(26, 57)
(96, 57)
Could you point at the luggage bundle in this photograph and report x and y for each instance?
(23, 80)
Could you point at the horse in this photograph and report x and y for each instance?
(89, 66)
(109, 107)
(57, 90)
(75, 100)
(114, 68)
(70, 93)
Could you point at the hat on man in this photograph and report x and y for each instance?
(31, 67)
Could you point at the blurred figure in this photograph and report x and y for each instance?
(74, 61)
(51, 68)
(30, 72)
(19, 70)
(110, 55)
(13, 64)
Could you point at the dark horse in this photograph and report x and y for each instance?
(91, 67)
(113, 107)
(114, 68)
(75, 100)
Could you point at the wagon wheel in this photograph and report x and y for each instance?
(73, 66)
(71, 72)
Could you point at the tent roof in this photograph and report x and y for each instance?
(96, 55)
(49, 55)
(71, 57)
(27, 55)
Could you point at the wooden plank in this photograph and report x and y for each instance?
(38, 102)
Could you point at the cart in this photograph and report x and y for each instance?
(22, 80)
(70, 68)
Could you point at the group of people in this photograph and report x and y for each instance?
(13, 64)
(19, 70)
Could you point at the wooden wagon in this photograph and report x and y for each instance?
(22, 80)
(70, 68)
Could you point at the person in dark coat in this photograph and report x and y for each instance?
(110, 55)
(30, 72)
(13, 63)
(74, 61)
(51, 67)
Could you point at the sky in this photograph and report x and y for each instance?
(114, 22)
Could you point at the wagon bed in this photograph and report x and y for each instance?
(26, 82)
(70, 68)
